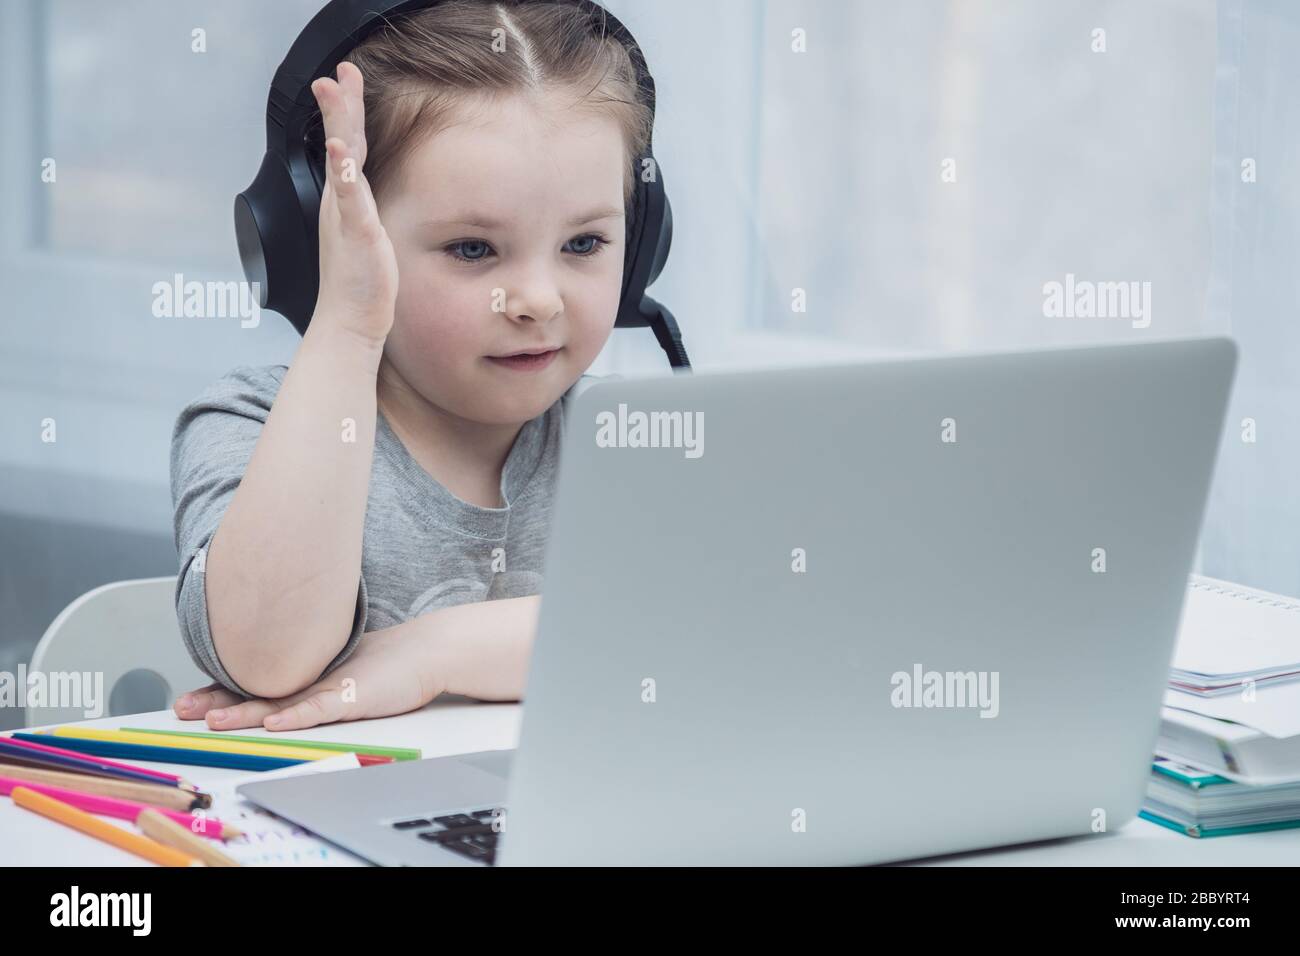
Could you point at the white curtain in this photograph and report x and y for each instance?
(1251, 530)
(808, 141)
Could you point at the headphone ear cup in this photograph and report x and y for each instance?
(649, 236)
(663, 244)
(274, 249)
(631, 223)
(313, 150)
(628, 312)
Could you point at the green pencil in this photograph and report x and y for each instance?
(397, 753)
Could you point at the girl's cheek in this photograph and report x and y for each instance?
(442, 338)
(593, 323)
(439, 314)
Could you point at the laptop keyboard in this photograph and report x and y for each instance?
(470, 833)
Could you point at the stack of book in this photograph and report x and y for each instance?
(1228, 755)
(1203, 804)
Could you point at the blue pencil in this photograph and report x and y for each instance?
(40, 758)
(199, 758)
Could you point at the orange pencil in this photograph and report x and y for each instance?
(101, 829)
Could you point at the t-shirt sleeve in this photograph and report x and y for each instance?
(212, 442)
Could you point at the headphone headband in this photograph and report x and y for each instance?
(341, 26)
(276, 218)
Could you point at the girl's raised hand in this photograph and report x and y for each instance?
(358, 269)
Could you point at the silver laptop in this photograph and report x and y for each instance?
(834, 615)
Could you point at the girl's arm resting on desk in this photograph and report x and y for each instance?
(487, 646)
(478, 650)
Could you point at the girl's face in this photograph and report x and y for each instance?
(508, 231)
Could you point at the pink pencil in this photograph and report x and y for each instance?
(170, 777)
(122, 809)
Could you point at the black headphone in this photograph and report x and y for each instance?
(276, 218)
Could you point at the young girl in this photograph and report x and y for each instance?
(364, 530)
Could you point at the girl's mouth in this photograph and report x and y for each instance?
(526, 363)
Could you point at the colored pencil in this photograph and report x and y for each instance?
(66, 759)
(153, 794)
(162, 775)
(101, 829)
(193, 794)
(172, 834)
(397, 753)
(122, 809)
(199, 758)
(213, 746)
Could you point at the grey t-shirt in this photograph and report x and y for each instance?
(422, 549)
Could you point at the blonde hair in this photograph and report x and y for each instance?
(423, 69)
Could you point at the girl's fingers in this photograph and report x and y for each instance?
(325, 706)
(250, 713)
(343, 109)
(196, 704)
(344, 174)
(333, 107)
(239, 713)
(353, 89)
(340, 170)
(358, 215)
(343, 114)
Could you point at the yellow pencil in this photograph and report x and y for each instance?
(168, 831)
(101, 829)
(192, 743)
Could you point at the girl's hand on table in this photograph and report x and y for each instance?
(392, 671)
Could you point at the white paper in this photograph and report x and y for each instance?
(269, 840)
(1274, 711)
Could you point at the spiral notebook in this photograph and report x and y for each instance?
(1230, 634)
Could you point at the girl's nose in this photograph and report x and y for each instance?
(536, 298)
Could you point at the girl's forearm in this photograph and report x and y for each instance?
(482, 649)
(283, 568)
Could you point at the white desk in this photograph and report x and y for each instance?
(455, 725)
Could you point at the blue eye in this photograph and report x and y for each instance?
(469, 251)
(468, 242)
(598, 243)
